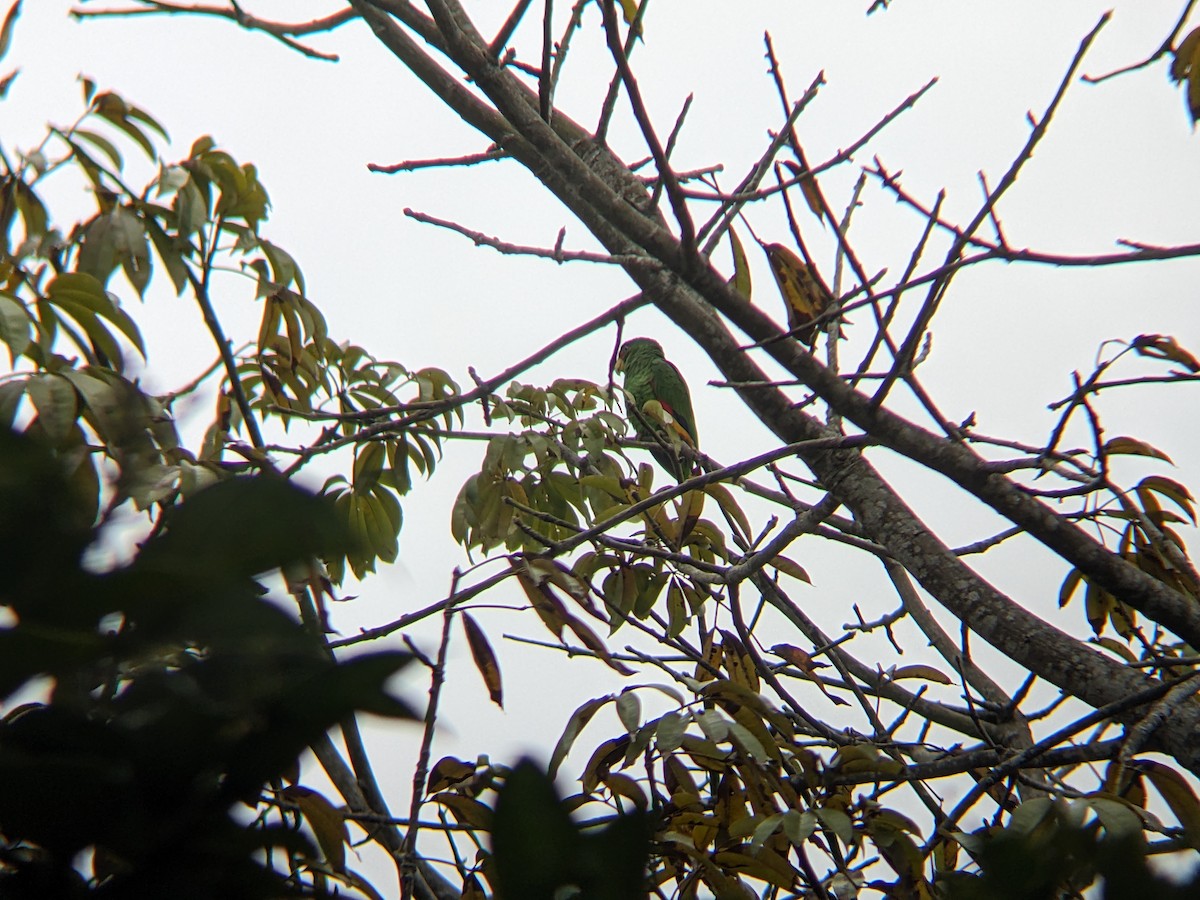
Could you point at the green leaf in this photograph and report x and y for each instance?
(1026, 817)
(283, 266)
(81, 288)
(171, 254)
(77, 291)
(765, 828)
(245, 526)
(14, 326)
(838, 822)
(1117, 817)
(669, 732)
(629, 710)
(575, 724)
(747, 742)
(98, 250)
(368, 466)
(535, 843)
(799, 826)
(191, 209)
(55, 402)
(103, 144)
(132, 247)
(115, 110)
(145, 118)
(11, 393)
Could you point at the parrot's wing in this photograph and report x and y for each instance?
(670, 390)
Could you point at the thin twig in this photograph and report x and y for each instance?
(937, 290)
(1163, 49)
(437, 678)
(410, 165)
(510, 25)
(687, 229)
(1020, 760)
(555, 253)
(281, 31)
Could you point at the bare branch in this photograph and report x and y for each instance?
(281, 31)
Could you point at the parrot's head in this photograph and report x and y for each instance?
(635, 349)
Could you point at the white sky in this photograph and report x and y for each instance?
(1120, 161)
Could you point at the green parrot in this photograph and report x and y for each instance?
(660, 407)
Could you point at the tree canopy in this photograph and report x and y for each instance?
(948, 733)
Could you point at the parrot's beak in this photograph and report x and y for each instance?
(619, 366)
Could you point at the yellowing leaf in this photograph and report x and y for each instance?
(805, 298)
(629, 11)
(738, 662)
(766, 866)
(6, 31)
(1182, 62)
(465, 810)
(808, 187)
(1129, 446)
(1069, 586)
(1123, 619)
(741, 267)
(789, 567)
(624, 786)
(689, 508)
(808, 666)
(1098, 603)
(602, 760)
(1193, 85)
(711, 655)
(548, 607)
(1172, 490)
(1179, 796)
(729, 506)
(327, 823)
(1161, 346)
(588, 638)
(485, 659)
(927, 673)
(447, 772)
(677, 616)
(1118, 648)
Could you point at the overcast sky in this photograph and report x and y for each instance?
(1121, 161)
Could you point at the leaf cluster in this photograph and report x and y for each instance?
(177, 691)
